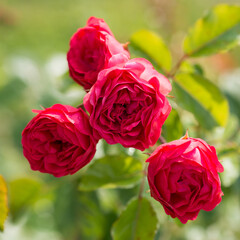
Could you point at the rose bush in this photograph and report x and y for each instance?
(183, 177)
(92, 49)
(59, 140)
(128, 104)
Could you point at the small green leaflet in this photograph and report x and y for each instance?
(201, 97)
(23, 192)
(137, 222)
(112, 172)
(172, 128)
(153, 46)
(218, 31)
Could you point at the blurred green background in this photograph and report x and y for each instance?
(34, 39)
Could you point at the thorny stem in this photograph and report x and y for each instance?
(171, 74)
(162, 139)
(153, 148)
(82, 107)
(176, 67)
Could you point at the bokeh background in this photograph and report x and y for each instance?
(34, 39)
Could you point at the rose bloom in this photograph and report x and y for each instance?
(92, 49)
(59, 140)
(128, 104)
(183, 177)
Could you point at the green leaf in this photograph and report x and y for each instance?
(79, 215)
(234, 103)
(172, 128)
(23, 192)
(112, 172)
(201, 97)
(66, 209)
(153, 46)
(191, 68)
(3, 203)
(218, 31)
(96, 222)
(137, 222)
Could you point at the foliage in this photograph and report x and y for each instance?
(201, 97)
(155, 48)
(23, 192)
(137, 214)
(120, 171)
(98, 203)
(217, 31)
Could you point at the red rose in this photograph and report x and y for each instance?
(59, 140)
(127, 104)
(92, 49)
(183, 177)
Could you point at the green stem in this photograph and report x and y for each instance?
(142, 182)
(82, 107)
(162, 140)
(140, 196)
(177, 66)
